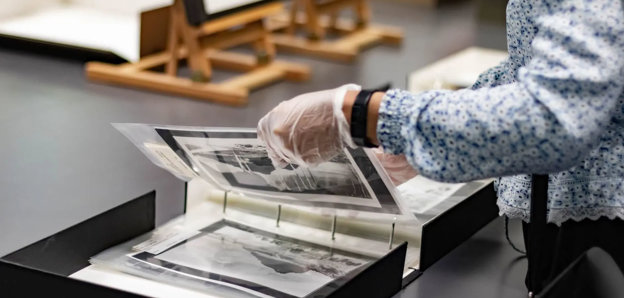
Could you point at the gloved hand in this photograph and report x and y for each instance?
(308, 129)
(396, 166)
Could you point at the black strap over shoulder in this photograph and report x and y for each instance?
(537, 227)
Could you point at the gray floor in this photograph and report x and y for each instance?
(62, 162)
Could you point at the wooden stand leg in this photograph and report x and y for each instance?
(264, 47)
(333, 20)
(315, 31)
(363, 13)
(173, 40)
(294, 9)
(190, 36)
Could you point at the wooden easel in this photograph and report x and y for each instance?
(202, 47)
(318, 18)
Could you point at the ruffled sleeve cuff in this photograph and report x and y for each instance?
(393, 117)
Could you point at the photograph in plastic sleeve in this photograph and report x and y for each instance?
(239, 161)
(253, 261)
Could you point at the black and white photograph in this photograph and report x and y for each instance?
(238, 161)
(254, 261)
(247, 165)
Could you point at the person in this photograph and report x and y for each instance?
(555, 106)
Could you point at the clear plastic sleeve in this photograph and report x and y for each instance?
(233, 160)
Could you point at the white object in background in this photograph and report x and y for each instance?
(459, 70)
(89, 25)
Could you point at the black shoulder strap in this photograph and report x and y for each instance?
(539, 196)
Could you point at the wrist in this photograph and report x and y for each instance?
(372, 112)
(347, 103)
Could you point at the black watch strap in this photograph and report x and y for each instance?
(359, 116)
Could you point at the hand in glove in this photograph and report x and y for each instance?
(308, 129)
(396, 166)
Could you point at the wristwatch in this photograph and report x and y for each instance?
(359, 116)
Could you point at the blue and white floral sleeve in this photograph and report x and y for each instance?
(546, 120)
(495, 76)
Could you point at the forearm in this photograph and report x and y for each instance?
(457, 136)
(472, 134)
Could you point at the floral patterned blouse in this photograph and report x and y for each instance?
(555, 106)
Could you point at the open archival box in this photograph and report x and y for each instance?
(258, 231)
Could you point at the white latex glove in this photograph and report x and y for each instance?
(308, 129)
(396, 166)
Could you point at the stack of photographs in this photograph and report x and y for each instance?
(251, 262)
(238, 161)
